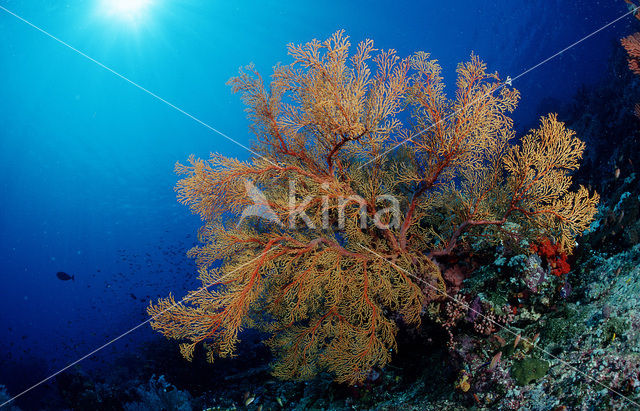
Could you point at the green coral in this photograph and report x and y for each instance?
(529, 369)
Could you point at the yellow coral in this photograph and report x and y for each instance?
(328, 175)
(463, 383)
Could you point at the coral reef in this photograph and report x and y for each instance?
(158, 394)
(528, 325)
(367, 184)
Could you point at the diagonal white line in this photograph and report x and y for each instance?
(499, 325)
(123, 335)
(632, 11)
(173, 106)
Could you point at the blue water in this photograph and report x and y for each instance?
(86, 158)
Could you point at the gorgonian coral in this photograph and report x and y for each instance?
(365, 175)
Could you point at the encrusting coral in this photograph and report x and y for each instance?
(365, 175)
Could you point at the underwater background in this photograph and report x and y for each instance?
(87, 157)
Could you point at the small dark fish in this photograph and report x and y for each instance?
(64, 276)
(133, 296)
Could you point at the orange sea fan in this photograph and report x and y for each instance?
(632, 45)
(331, 292)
